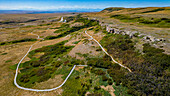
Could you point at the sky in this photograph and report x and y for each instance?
(78, 4)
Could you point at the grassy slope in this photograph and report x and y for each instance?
(142, 15)
(153, 21)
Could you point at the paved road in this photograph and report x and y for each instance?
(107, 53)
(29, 89)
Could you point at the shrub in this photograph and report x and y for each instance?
(76, 42)
(44, 78)
(56, 64)
(162, 22)
(154, 10)
(8, 61)
(110, 81)
(98, 71)
(36, 70)
(149, 69)
(113, 9)
(17, 41)
(24, 78)
(87, 23)
(104, 78)
(97, 88)
(41, 72)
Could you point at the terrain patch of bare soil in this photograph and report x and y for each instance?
(110, 89)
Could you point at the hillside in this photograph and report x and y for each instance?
(152, 21)
(108, 53)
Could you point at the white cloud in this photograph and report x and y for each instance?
(2, 7)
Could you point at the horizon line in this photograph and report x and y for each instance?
(67, 9)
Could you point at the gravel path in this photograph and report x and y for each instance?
(29, 89)
(37, 90)
(108, 53)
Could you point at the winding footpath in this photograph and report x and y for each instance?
(107, 53)
(37, 90)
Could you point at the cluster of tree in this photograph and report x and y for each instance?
(97, 29)
(150, 74)
(154, 10)
(113, 9)
(70, 18)
(8, 22)
(85, 86)
(77, 85)
(114, 70)
(64, 27)
(18, 41)
(36, 67)
(74, 62)
(159, 22)
(98, 71)
(86, 21)
(103, 74)
(95, 94)
(99, 62)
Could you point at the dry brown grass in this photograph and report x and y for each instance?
(110, 89)
(24, 32)
(134, 26)
(32, 16)
(15, 52)
(79, 67)
(89, 47)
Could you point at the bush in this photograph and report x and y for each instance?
(70, 18)
(76, 42)
(41, 72)
(17, 41)
(162, 22)
(87, 23)
(42, 68)
(98, 71)
(113, 9)
(110, 81)
(154, 10)
(97, 88)
(25, 78)
(149, 76)
(44, 78)
(99, 62)
(104, 78)
(57, 64)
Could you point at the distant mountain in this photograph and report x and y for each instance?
(49, 11)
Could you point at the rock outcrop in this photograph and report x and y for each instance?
(132, 34)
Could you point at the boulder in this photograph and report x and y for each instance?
(128, 32)
(162, 39)
(141, 35)
(152, 39)
(110, 30)
(65, 21)
(146, 38)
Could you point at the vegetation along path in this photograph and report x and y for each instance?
(108, 53)
(29, 89)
